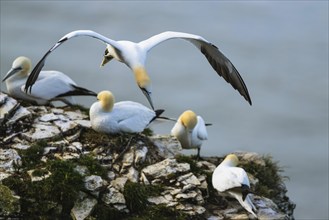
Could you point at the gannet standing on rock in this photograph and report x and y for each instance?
(190, 130)
(50, 86)
(233, 181)
(109, 117)
(134, 56)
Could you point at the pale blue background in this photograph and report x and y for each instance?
(280, 49)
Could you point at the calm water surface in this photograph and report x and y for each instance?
(280, 49)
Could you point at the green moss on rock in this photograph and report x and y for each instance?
(148, 132)
(8, 203)
(39, 172)
(103, 212)
(136, 195)
(160, 212)
(31, 157)
(93, 165)
(53, 196)
(269, 176)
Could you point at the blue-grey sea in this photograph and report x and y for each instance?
(279, 47)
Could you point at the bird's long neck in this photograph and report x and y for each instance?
(141, 76)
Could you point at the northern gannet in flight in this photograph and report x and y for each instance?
(190, 130)
(233, 181)
(50, 86)
(109, 117)
(134, 56)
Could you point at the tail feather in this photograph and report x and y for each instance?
(78, 91)
(249, 206)
(158, 112)
(246, 203)
(158, 116)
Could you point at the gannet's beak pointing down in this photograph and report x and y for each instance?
(189, 121)
(148, 96)
(107, 57)
(11, 72)
(144, 83)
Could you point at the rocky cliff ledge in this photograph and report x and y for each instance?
(53, 165)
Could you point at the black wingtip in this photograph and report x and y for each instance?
(248, 99)
(35, 73)
(37, 69)
(225, 68)
(78, 91)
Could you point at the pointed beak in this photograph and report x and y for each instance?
(148, 96)
(106, 59)
(11, 72)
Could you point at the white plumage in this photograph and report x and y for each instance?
(109, 117)
(134, 56)
(190, 130)
(233, 181)
(50, 86)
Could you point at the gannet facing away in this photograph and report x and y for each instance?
(190, 130)
(233, 181)
(134, 56)
(109, 117)
(50, 86)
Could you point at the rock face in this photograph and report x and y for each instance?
(52, 164)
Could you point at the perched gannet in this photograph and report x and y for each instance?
(134, 56)
(109, 117)
(190, 130)
(233, 181)
(50, 86)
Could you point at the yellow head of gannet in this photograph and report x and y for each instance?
(233, 181)
(188, 120)
(231, 160)
(107, 100)
(190, 131)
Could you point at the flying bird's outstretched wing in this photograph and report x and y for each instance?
(37, 69)
(220, 63)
